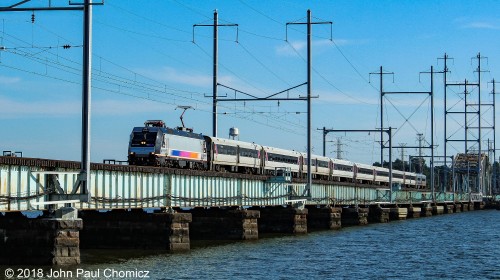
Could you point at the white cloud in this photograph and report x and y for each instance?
(9, 80)
(169, 74)
(481, 25)
(338, 98)
(293, 47)
(17, 109)
(127, 107)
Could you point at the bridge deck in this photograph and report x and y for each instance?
(24, 186)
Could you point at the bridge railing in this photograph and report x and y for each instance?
(26, 187)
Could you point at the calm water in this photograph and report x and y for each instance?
(458, 246)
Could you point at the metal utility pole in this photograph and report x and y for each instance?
(215, 72)
(430, 93)
(382, 93)
(273, 97)
(445, 71)
(84, 176)
(309, 117)
(215, 67)
(86, 97)
(309, 24)
(493, 92)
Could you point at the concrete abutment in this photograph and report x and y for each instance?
(324, 217)
(39, 241)
(135, 229)
(355, 216)
(224, 224)
(283, 220)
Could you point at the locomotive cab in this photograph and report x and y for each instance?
(145, 143)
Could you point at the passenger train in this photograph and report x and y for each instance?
(155, 144)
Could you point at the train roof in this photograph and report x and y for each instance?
(232, 142)
(281, 151)
(168, 130)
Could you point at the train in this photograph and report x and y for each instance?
(155, 144)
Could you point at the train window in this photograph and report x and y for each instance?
(383, 173)
(322, 163)
(143, 139)
(226, 150)
(244, 152)
(365, 171)
(343, 167)
(397, 175)
(282, 158)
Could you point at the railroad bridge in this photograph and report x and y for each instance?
(152, 207)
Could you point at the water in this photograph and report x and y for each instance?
(457, 246)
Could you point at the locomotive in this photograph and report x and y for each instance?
(155, 144)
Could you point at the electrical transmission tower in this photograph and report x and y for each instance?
(472, 165)
(339, 148)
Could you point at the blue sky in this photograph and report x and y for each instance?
(145, 64)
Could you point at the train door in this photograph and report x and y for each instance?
(237, 154)
(301, 166)
(209, 148)
(330, 169)
(354, 172)
(263, 157)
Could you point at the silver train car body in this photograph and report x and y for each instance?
(158, 145)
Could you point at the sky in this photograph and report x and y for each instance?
(148, 59)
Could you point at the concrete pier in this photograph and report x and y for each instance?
(465, 207)
(283, 220)
(426, 210)
(40, 241)
(449, 208)
(135, 229)
(224, 224)
(377, 214)
(457, 207)
(479, 205)
(414, 212)
(398, 213)
(437, 210)
(355, 216)
(324, 218)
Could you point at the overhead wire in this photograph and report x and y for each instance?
(127, 81)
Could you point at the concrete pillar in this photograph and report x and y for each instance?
(479, 205)
(465, 207)
(283, 220)
(324, 218)
(414, 212)
(437, 210)
(177, 225)
(449, 208)
(426, 210)
(398, 213)
(224, 224)
(378, 214)
(135, 229)
(355, 216)
(52, 241)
